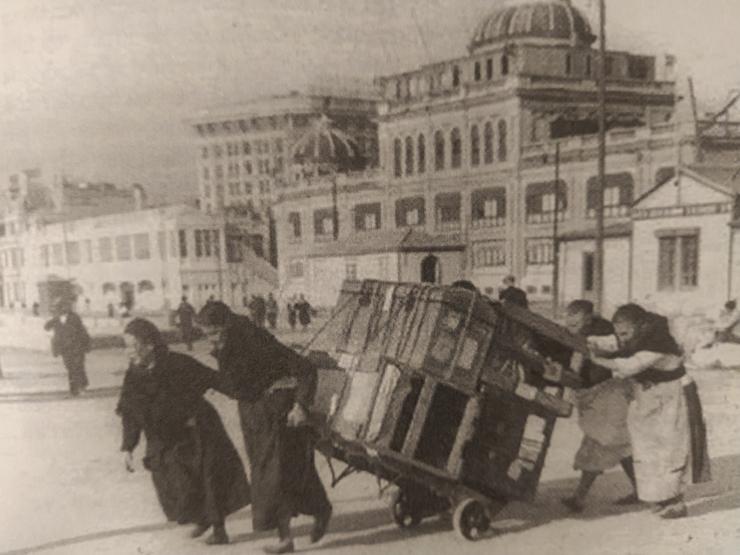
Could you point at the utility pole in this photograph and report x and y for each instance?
(555, 241)
(599, 255)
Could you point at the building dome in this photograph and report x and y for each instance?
(556, 20)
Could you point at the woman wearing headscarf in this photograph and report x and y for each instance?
(197, 473)
(275, 387)
(665, 419)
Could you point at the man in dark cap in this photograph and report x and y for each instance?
(275, 388)
(512, 294)
(70, 341)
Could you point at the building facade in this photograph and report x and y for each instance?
(467, 149)
(123, 253)
(244, 152)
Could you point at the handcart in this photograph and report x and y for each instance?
(448, 395)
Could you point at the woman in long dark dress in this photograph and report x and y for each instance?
(275, 388)
(197, 473)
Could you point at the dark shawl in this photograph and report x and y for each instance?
(197, 473)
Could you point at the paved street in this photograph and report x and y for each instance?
(65, 489)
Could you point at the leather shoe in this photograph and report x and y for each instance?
(573, 503)
(630, 499)
(285, 546)
(320, 525)
(219, 536)
(199, 530)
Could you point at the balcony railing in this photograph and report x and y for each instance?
(545, 217)
(454, 225)
(617, 211)
(482, 223)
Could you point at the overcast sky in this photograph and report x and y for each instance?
(102, 88)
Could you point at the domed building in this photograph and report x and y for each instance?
(466, 186)
(551, 21)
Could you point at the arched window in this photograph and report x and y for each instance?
(455, 76)
(456, 148)
(409, 156)
(474, 146)
(421, 154)
(502, 145)
(504, 65)
(588, 65)
(397, 162)
(477, 71)
(488, 143)
(439, 151)
(568, 64)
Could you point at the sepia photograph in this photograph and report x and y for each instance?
(369, 277)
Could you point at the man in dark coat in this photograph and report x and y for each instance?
(185, 318)
(512, 294)
(271, 309)
(257, 310)
(304, 310)
(275, 388)
(197, 473)
(70, 341)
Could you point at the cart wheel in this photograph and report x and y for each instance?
(404, 514)
(470, 519)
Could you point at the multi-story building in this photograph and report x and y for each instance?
(467, 150)
(244, 152)
(115, 249)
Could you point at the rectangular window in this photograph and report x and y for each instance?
(57, 254)
(162, 245)
(589, 265)
(350, 271)
(539, 252)
(44, 252)
(123, 247)
(294, 225)
(489, 254)
(295, 269)
(448, 211)
(216, 243)
(678, 260)
(73, 253)
(105, 249)
(183, 243)
(367, 216)
(142, 250)
(199, 249)
(323, 222)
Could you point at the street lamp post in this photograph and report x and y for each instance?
(599, 254)
(555, 241)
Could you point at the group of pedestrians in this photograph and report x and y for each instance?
(196, 472)
(300, 312)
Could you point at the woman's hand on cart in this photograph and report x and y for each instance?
(297, 416)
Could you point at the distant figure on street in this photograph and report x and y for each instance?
(728, 325)
(292, 313)
(271, 310)
(70, 341)
(512, 294)
(275, 388)
(185, 318)
(257, 309)
(35, 309)
(304, 310)
(111, 310)
(197, 473)
(602, 411)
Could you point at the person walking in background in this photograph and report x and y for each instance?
(275, 387)
(70, 341)
(257, 310)
(602, 409)
(196, 470)
(292, 313)
(665, 420)
(185, 317)
(304, 310)
(727, 329)
(271, 311)
(512, 294)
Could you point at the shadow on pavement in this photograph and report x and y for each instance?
(53, 396)
(65, 542)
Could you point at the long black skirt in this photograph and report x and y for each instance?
(201, 478)
(285, 482)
